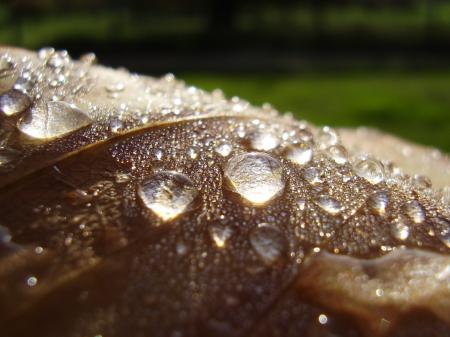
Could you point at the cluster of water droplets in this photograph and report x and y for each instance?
(255, 166)
(46, 98)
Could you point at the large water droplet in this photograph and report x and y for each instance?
(338, 153)
(13, 102)
(256, 176)
(168, 194)
(312, 175)
(329, 205)
(399, 229)
(370, 169)
(220, 234)
(300, 154)
(57, 120)
(268, 242)
(263, 140)
(415, 211)
(378, 202)
(224, 149)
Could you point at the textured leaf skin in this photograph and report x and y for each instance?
(87, 258)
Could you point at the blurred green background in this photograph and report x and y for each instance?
(380, 63)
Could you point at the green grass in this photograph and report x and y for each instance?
(415, 106)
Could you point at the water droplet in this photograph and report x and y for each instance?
(6, 66)
(25, 82)
(257, 177)
(159, 154)
(13, 102)
(329, 205)
(6, 157)
(168, 194)
(58, 59)
(312, 175)
(45, 53)
(300, 154)
(415, 211)
(263, 140)
(445, 237)
(115, 87)
(422, 181)
(193, 153)
(399, 229)
(181, 248)
(301, 203)
(327, 137)
(5, 235)
(116, 125)
(32, 281)
(268, 242)
(378, 202)
(323, 319)
(224, 149)
(220, 234)
(370, 169)
(338, 153)
(57, 120)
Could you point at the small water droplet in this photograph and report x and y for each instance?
(159, 154)
(168, 194)
(116, 125)
(7, 65)
(378, 202)
(422, 181)
(312, 175)
(257, 177)
(269, 243)
(415, 211)
(88, 58)
(300, 153)
(181, 248)
(25, 82)
(58, 59)
(338, 153)
(13, 102)
(224, 149)
(327, 137)
(115, 87)
(263, 140)
(301, 203)
(57, 120)
(220, 234)
(370, 169)
(445, 237)
(193, 153)
(5, 235)
(45, 53)
(329, 205)
(32, 281)
(323, 319)
(399, 229)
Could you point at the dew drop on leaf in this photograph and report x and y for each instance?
(257, 177)
(268, 242)
(58, 119)
(13, 102)
(168, 194)
(370, 169)
(300, 154)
